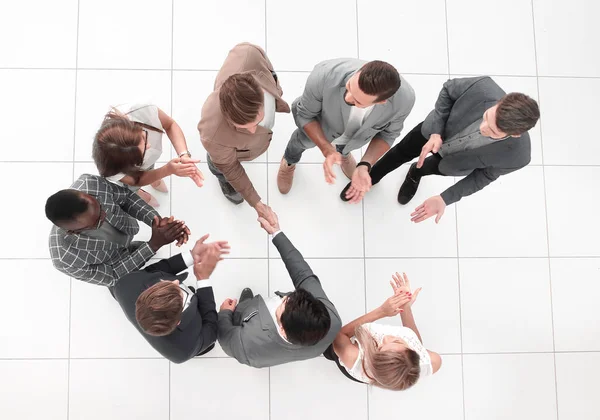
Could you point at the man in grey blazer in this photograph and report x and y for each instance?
(346, 104)
(476, 130)
(300, 325)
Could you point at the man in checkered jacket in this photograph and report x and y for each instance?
(94, 224)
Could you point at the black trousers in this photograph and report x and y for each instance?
(330, 355)
(405, 151)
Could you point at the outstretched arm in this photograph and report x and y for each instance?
(297, 267)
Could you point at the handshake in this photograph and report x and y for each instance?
(166, 230)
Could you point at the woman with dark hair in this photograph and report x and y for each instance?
(129, 142)
(385, 356)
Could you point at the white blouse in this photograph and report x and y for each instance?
(145, 114)
(378, 331)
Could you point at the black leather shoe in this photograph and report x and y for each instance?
(344, 191)
(409, 186)
(246, 294)
(231, 194)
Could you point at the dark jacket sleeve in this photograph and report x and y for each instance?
(208, 312)
(298, 269)
(173, 265)
(451, 91)
(302, 275)
(475, 181)
(230, 337)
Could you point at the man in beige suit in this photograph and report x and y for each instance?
(237, 119)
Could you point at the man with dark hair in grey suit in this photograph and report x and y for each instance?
(476, 130)
(300, 325)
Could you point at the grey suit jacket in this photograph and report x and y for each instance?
(460, 103)
(323, 100)
(256, 342)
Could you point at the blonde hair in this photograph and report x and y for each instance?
(391, 370)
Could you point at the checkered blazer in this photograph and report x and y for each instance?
(95, 260)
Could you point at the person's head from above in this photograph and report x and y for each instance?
(392, 364)
(158, 309)
(120, 145)
(513, 115)
(242, 101)
(374, 83)
(74, 211)
(303, 319)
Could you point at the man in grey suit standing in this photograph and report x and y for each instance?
(300, 325)
(476, 130)
(346, 104)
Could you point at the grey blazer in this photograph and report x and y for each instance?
(460, 103)
(323, 100)
(253, 338)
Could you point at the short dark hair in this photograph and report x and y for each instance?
(241, 98)
(65, 206)
(305, 319)
(158, 309)
(378, 78)
(517, 113)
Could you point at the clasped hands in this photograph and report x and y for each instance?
(270, 223)
(402, 298)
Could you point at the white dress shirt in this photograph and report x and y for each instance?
(269, 108)
(355, 120)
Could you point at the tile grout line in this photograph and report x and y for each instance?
(537, 79)
(371, 258)
(268, 204)
(365, 282)
(462, 361)
(357, 31)
(171, 155)
(364, 237)
(502, 353)
(286, 71)
(266, 35)
(73, 180)
(535, 165)
(447, 37)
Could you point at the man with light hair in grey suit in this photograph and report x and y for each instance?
(476, 130)
(347, 104)
(288, 327)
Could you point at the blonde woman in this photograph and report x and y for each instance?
(129, 143)
(386, 356)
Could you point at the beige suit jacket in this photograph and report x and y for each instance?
(226, 145)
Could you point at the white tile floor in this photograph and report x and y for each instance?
(511, 276)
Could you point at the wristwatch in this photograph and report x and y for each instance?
(363, 163)
(187, 152)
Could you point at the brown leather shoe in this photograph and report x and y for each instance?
(285, 177)
(348, 165)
